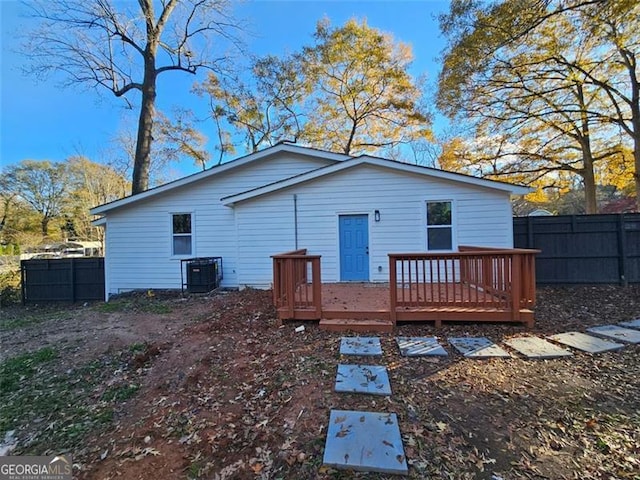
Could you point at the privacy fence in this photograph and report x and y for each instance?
(582, 249)
(65, 279)
(575, 249)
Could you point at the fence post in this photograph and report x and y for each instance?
(622, 251)
(530, 239)
(23, 281)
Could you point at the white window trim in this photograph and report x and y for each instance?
(454, 223)
(192, 234)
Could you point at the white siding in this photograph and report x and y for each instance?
(266, 224)
(138, 241)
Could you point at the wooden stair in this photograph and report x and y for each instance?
(356, 325)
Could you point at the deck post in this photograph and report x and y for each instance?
(393, 289)
(277, 286)
(290, 286)
(274, 291)
(516, 285)
(317, 286)
(487, 272)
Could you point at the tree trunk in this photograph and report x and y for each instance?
(142, 160)
(5, 215)
(635, 124)
(44, 224)
(588, 175)
(588, 178)
(636, 174)
(630, 62)
(347, 148)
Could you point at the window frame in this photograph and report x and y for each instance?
(452, 225)
(174, 235)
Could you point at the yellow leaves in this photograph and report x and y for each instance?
(441, 426)
(617, 170)
(454, 153)
(364, 97)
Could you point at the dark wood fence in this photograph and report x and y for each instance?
(582, 249)
(64, 279)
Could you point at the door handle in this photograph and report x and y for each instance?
(367, 251)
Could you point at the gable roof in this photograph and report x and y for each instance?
(379, 162)
(218, 169)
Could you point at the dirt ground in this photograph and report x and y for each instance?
(222, 392)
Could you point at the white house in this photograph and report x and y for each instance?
(351, 210)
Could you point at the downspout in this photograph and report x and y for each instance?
(295, 220)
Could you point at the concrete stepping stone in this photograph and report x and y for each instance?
(633, 323)
(586, 343)
(360, 346)
(478, 347)
(420, 346)
(372, 379)
(534, 347)
(364, 441)
(618, 333)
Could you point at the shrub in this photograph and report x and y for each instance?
(10, 292)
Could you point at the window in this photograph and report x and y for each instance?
(181, 223)
(439, 226)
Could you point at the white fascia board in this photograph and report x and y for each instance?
(236, 163)
(231, 200)
(452, 176)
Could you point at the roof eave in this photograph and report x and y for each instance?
(232, 200)
(98, 222)
(236, 163)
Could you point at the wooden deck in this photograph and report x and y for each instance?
(474, 285)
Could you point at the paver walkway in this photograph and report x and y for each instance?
(617, 332)
(420, 346)
(364, 441)
(372, 379)
(535, 347)
(371, 441)
(478, 347)
(360, 346)
(586, 343)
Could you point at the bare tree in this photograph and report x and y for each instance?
(105, 44)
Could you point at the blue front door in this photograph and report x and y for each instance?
(354, 248)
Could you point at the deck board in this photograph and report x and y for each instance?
(375, 296)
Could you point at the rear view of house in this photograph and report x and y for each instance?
(352, 211)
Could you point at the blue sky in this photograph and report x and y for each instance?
(40, 120)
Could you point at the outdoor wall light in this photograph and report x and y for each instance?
(376, 215)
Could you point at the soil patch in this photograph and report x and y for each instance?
(224, 392)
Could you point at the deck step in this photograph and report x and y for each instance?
(356, 325)
(356, 314)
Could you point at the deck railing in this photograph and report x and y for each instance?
(297, 285)
(474, 277)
